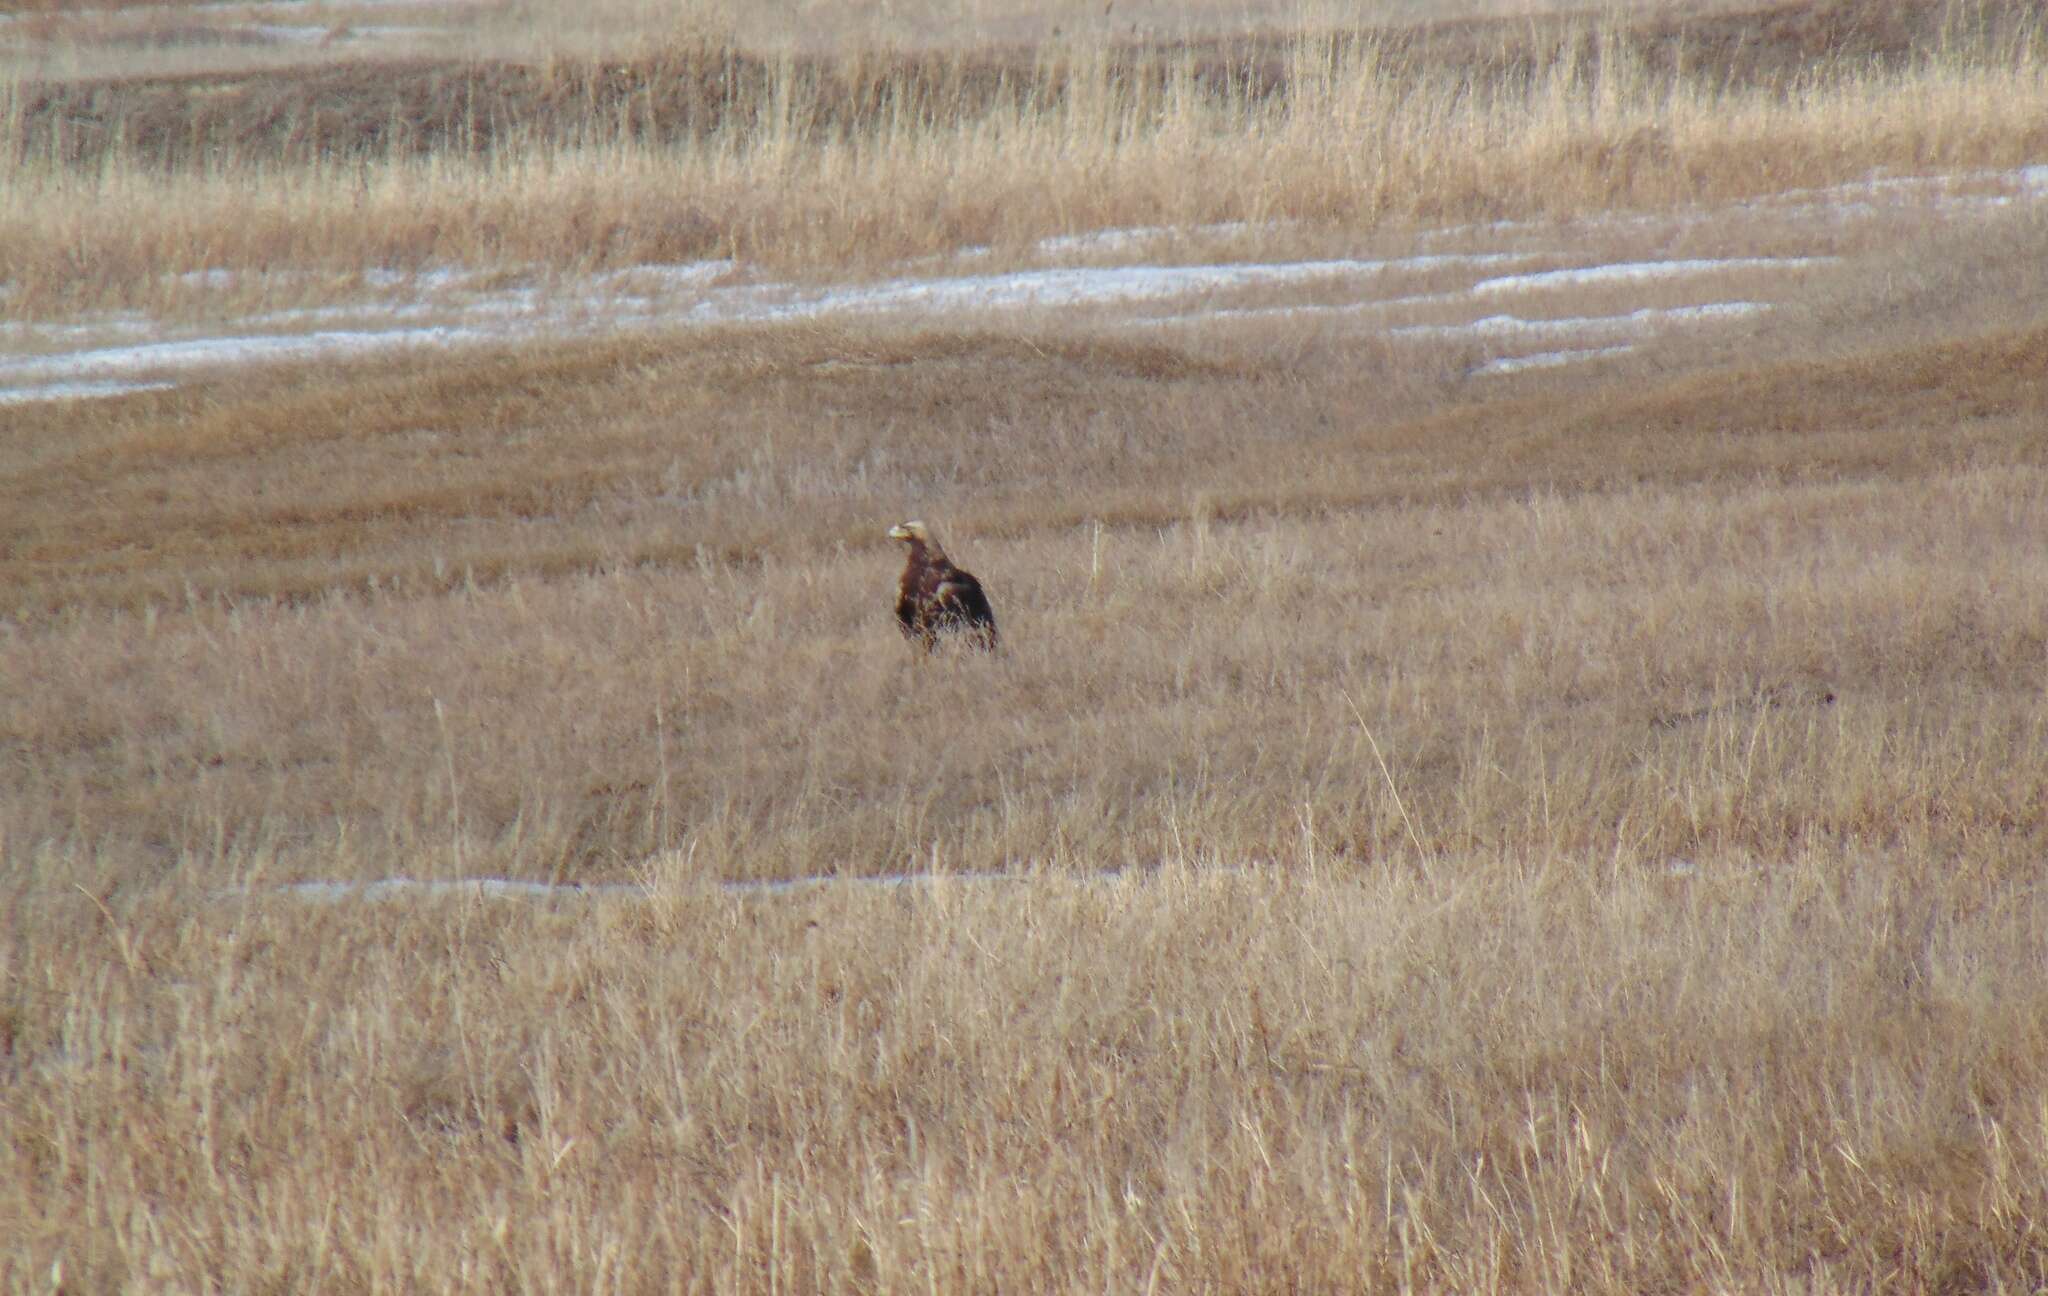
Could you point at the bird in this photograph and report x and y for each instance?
(935, 597)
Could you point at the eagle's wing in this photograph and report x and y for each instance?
(960, 595)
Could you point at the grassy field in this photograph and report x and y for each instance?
(1571, 830)
(830, 166)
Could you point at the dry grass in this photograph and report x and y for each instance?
(1576, 831)
(1816, 1074)
(845, 165)
(122, 38)
(1626, 789)
(724, 491)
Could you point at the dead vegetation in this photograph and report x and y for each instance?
(843, 164)
(1580, 833)
(1526, 1076)
(1572, 831)
(725, 489)
(691, 92)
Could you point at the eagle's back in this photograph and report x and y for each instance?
(936, 596)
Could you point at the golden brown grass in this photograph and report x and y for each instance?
(1816, 1073)
(1178, 537)
(844, 165)
(121, 38)
(1578, 832)
(1575, 831)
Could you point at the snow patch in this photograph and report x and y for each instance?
(1079, 286)
(317, 34)
(1638, 271)
(1547, 359)
(198, 353)
(446, 306)
(124, 324)
(1633, 322)
(76, 391)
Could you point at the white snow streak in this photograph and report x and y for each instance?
(1636, 321)
(76, 391)
(1639, 271)
(1548, 359)
(443, 307)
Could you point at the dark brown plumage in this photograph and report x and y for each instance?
(935, 597)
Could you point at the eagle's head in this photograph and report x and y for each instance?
(923, 549)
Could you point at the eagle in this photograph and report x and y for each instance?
(935, 597)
